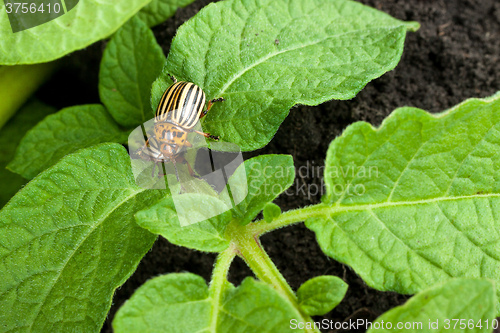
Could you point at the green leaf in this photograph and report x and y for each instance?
(68, 240)
(159, 11)
(130, 64)
(174, 303)
(17, 84)
(207, 235)
(62, 133)
(266, 56)
(416, 201)
(88, 22)
(254, 184)
(471, 302)
(266, 176)
(255, 307)
(181, 303)
(271, 211)
(321, 294)
(10, 135)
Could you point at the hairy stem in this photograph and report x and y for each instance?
(250, 250)
(218, 282)
(323, 210)
(290, 217)
(17, 83)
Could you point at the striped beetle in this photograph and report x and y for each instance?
(179, 110)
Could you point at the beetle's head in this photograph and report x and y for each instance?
(168, 150)
(171, 138)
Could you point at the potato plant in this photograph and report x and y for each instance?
(411, 206)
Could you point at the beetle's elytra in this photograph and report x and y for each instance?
(179, 110)
(182, 103)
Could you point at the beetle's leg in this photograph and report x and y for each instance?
(176, 172)
(160, 169)
(208, 135)
(210, 103)
(182, 159)
(153, 172)
(191, 171)
(215, 100)
(178, 179)
(172, 78)
(139, 151)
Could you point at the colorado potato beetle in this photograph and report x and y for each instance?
(180, 108)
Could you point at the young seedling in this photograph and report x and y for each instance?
(423, 209)
(388, 234)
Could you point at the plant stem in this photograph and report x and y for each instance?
(17, 83)
(251, 251)
(290, 217)
(218, 282)
(325, 210)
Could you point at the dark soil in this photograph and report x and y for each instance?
(454, 56)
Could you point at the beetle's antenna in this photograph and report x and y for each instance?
(174, 80)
